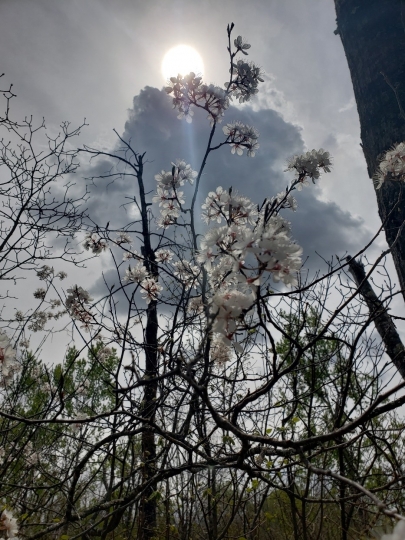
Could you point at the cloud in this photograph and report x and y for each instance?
(348, 106)
(318, 226)
(271, 97)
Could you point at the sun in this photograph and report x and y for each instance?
(181, 59)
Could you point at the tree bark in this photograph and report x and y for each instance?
(382, 320)
(148, 504)
(373, 38)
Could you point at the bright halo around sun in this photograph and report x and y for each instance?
(182, 59)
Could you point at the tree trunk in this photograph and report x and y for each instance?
(148, 504)
(373, 37)
(382, 320)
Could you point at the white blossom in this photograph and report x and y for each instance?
(225, 251)
(184, 171)
(168, 195)
(241, 137)
(245, 80)
(40, 294)
(241, 45)
(162, 194)
(181, 172)
(136, 273)
(19, 316)
(220, 353)
(94, 243)
(163, 222)
(150, 289)
(205, 257)
(45, 272)
(8, 523)
(310, 164)
(123, 238)
(221, 204)
(24, 343)
(195, 306)
(76, 304)
(186, 272)
(38, 321)
(164, 255)
(285, 200)
(397, 534)
(8, 361)
(170, 209)
(104, 354)
(189, 91)
(227, 307)
(391, 166)
(77, 294)
(130, 254)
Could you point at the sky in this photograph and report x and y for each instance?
(101, 61)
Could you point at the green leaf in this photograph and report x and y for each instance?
(255, 483)
(228, 439)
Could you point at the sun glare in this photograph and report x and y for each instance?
(181, 59)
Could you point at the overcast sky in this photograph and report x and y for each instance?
(101, 60)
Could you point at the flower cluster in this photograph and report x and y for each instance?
(220, 352)
(104, 353)
(245, 78)
(186, 273)
(163, 255)
(285, 200)
(44, 273)
(8, 523)
(123, 238)
(229, 205)
(130, 253)
(268, 242)
(240, 137)
(94, 243)
(392, 166)
(76, 304)
(40, 293)
(238, 255)
(310, 165)
(168, 195)
(47, 272)
(135, 274)
(150, 288)
(8, 361)
(195, 306)
(189, 91)
(38, 321)
(228, 306)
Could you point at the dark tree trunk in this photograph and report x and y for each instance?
(379, 314)
(148, 504)
(373, 37)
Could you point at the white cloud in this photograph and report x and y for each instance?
(270, 97)
(349, 105)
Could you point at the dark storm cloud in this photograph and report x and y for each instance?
(152, 127)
